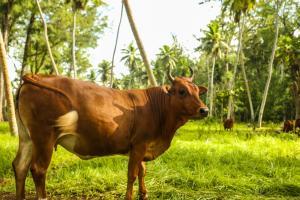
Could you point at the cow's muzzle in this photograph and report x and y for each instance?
(204, 112)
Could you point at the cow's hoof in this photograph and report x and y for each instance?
(143, 196)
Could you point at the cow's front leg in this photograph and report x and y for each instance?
(142, 187)
(135, 159)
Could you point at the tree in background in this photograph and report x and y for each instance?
(167, 59)
(239, 9)
(132, 59)
(47, 39)
(8, 91)
(104, 72)
(270, 66)
(212, 43)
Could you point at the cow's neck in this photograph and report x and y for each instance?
(167, 119)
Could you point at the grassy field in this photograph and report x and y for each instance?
(203, 162)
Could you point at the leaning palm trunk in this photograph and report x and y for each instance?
(247, 87)
(211, 97)
(74, 46)
(8, 90)
(46, 38)
(231, 82)
(270, 69)
(139, 44)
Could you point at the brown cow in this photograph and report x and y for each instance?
(90, 121)
(288, 126)
(228, 124)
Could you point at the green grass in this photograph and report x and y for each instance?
(203, 162)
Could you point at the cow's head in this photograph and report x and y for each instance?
(185, 96)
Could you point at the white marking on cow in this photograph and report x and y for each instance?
(67, 123)
(68, 141)
(68, 137)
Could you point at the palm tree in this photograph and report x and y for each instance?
(8, 90)
(132, 60)
(239, 8)
(104, 70)
(139, 43)
(76, 6)
(213, 44)
(46, 38)
(270, 66)
(167, 57)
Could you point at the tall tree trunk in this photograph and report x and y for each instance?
(6, 23)
(270, 68)
(46, 38)
(237, 58)
(208, 79)
(211, 97)
(247, 87)
(74, 45)
(1, 95)
(8, 90)
(296, 94)
(139, 43)
(27, 45)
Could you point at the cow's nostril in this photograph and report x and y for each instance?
(203, 111)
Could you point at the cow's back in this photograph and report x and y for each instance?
(104, 115)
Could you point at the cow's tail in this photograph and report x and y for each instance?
(66, 123)
(23, 158)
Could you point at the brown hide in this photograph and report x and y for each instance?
(228, 124)
(288, 126)
(91, 121)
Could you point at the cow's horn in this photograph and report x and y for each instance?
(171, 78)
(192, 72)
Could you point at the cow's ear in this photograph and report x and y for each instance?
(202, 90)
(169, 89)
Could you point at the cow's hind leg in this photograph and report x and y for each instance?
(22, 161)
(21, 165)
(41, 157)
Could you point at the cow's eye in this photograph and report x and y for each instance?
(182, 92)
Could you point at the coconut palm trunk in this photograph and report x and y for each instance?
(46, 38)
(211, 97)
(270, 68)
(296, 95)
(139, 43)
(74, 45)
(237, 58)
(247, 87)
(8, 90)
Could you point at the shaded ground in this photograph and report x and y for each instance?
(11, 196)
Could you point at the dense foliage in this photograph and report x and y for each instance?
(217, 49)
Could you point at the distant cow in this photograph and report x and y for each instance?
(90, 121)
(288, 126)
(228, 124)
